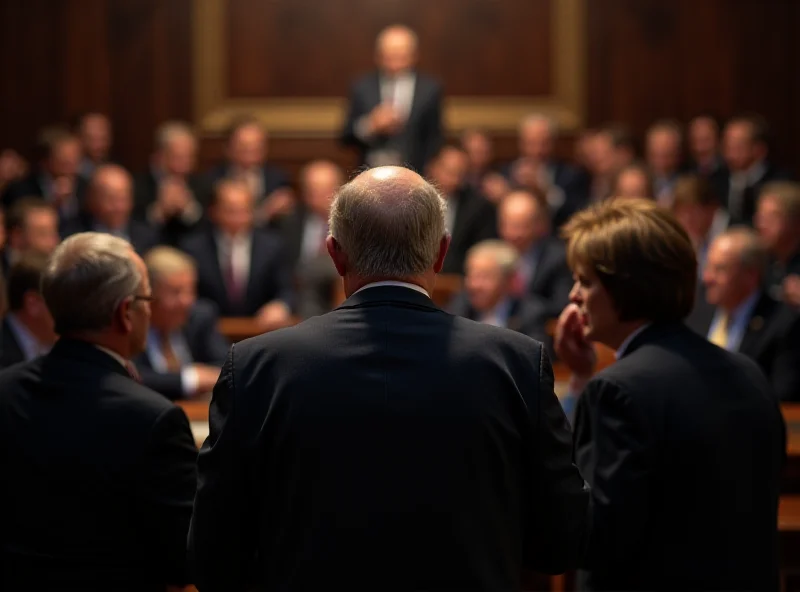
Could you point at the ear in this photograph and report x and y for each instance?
(444, 244)
(338, 256)
(122, 316)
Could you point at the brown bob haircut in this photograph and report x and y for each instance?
(641, 255)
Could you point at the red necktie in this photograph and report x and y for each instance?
(132, 371)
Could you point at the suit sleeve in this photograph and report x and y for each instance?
(168, 384)
(433, 137)
(559, 510)
(355, 111)
(785, 375)
(165, 492)
(613, 453)
(222, 542)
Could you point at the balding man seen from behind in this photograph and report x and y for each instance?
(98, 470)
(387, 444)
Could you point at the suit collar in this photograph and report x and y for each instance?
(650, 334)
(388, 295)
(761, 312)
(75, 350)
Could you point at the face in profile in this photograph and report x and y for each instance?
(485, 282)
(725, 279)
(139, 311)
(174, 296)
(599, 317)
(771, 222)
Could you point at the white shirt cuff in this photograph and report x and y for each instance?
(189, 381)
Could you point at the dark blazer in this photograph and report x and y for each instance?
(476, 220)
(142, 236)
(527, 315)
(269, 278)
(552, 278)
(31, 186)
(772, 339)
(145, 190)
(683, 444)
(206, 346)
(10, 351)
(750, 199)
(272, 177)
(103, 474)
(408, 450)
(421, 137)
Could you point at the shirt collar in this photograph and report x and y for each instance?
(408, 285)
(625, 344)
(123, 362)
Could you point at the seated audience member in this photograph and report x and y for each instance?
(479, 149)
(470, 218)
(305, 232)
(170, 196)
(27, 330)
(94, 131)
(542, 271)
(56, 179)
(109, 204)
(681, 442)
(664, 156)
(610, 149)
(488, 295)
(697, 207)
(633, 180)
(746, 153)
(746, 318)
(31, 225)
(242, 269)
(12, 168)
(704, 150)
(103, 468)
(246, 152)
(778, 223)
(185, 350)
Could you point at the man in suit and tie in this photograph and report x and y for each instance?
(524, 222)
(103, 468)
(778, 224)
(109, 205)
(31, 225)
(27, 330)
(677, 436)
(387, 444)
(246, 154)
(170, 196)
(746, 318)
(488, 295)
(185, 350)
(395, 113)
(240, 268)
(746, 153)
(56, 180)
(305, 232)
(469, 217)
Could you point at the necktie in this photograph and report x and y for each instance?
(720, 334)
(231, 281)
(173, 364)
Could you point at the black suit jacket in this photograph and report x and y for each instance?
(31, 186)
(476, 220)
(10, 351)
(103, 477)
(272, 177)
(552, 278)
(145, 190)
(141, 235)
(750, 199)
(269, 278)
(206, 346)
(407, 450)
(421, 137)
(772, 339)
(683, 444)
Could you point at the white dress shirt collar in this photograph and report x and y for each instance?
(123, 362)
(408, 285)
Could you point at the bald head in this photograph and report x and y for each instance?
(111, 196)
(396, 50)
(389, 223)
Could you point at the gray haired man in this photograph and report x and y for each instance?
(102, 467)
(387, 444)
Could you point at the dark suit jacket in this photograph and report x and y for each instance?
(552, 278)
(421, 137)
(141, 235)
(31, 186)
(10, 351)
(269, 279)
(272, 177)
(772, 339)
(103, 477)
(206, 346)
(408, 450)
(683, 444)
(476, 220)
(750, 199)
(145, 189)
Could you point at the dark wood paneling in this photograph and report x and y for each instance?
(287, 48)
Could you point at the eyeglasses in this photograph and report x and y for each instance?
(143, 298)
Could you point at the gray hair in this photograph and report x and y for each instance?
(169, 131)
(392, 233)
(86, 279)
(751, 250)
(537, 118)
(504, 255)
